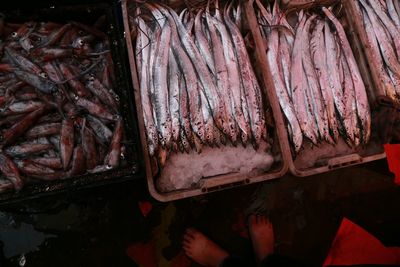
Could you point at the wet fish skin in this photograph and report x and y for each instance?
(10, 171)
(78, 162)
(103, 133)
(95, 109)
(173, 86)
(103, 93)
(53, 163)
(202, 43)
(319, 56)
(332, 60)
(25, 150)
(67, 142)
(227, 66)
(300, 101)
(388, 52)
(283, 97)
(160, 80)
(18, 129)
(114, 155)
(88, 145)
(316, 97)
(143, 52)
(22, 62)
(44, 85)
(363, 109)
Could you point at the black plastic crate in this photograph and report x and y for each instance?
(86, 12)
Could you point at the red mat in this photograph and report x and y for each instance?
(353, 245)
(393, 158)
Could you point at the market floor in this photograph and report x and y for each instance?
(115, 225)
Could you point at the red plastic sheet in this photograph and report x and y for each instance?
(353, 246)
(393, 158)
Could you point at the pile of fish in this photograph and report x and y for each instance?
(197, 85)
(316, 77)
(58, 113)
(381, 20)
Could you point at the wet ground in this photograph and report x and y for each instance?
(106, 227)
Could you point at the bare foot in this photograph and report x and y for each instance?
(202, 250)
(262, 236)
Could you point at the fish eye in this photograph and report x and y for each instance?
(43, 75)
(14, 34)
(81, 32)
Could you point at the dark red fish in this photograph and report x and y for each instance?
(78, 88)
(96, 109)
(50, 54)
(89, 145)
(22, 62)
(78, 164)
(66, 142)
(19, 128)
(113, 157)
(43, 84)
(55, 35)
(44, 130)
(27, 149)
(53, 163)
(99, 90)
(10, 171)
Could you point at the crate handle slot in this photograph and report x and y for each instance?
(224, 186)
(347, 160)
(219, 183)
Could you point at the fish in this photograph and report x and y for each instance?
(160, 79)
(362, 104)
(10, 171)
(318, 50)
(314, 93)
(19, 128)
(173, 93)
(387, 50)
(78, 162)
(42, 84)
(227, 75)
(66, 142)
(251, 99)
(282, 93)
(202, 42)
(114, 155)
(143, 49)
(390, 90)
(95, 109)
(26, 149)
(300, 101)
(88, 145)
(58, 109)
(332, 60)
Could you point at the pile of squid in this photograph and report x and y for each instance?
(197, 85)
(58, 113)
(381, 20)
(316, 78)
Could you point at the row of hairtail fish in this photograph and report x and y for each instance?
(59, 115)
(197, 85)
(381, 20)
(316, 78)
